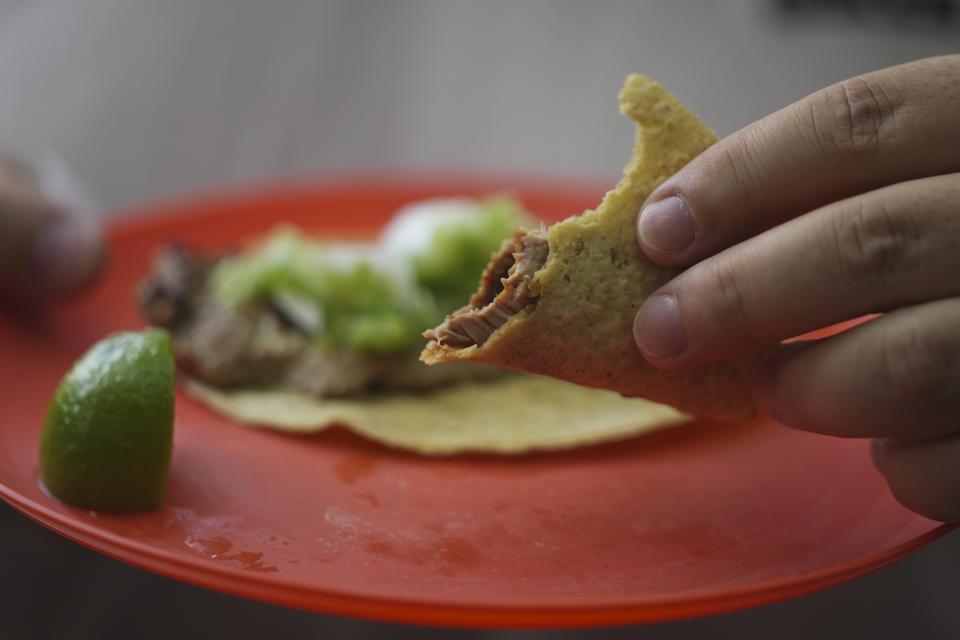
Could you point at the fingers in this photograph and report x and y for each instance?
(889, 248)
(881, 128)
(897, 376)
(44, 249)
(923, 475)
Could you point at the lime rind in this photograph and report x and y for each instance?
(108, 436)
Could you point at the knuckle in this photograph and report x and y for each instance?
(915, 366)
(873, 242)
(735, 317)
(943, 202)
(741, 165)
(853, 118)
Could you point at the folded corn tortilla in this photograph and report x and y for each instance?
(561, 301)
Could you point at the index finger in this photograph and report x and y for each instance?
(870, 131)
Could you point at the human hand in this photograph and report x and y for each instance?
(843, 204)
(45, 249)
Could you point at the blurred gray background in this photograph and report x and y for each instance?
(149, 99)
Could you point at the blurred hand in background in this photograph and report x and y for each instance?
(47, 248)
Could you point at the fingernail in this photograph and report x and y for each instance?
(666, 225)
(66, 254)
(658, 330)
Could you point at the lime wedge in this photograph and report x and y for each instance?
(108, 434)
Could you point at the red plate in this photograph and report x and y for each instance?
(696, 520)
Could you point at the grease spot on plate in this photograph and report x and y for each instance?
(221, 549)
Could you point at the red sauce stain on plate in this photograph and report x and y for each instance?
(369, 498)
(353, 468)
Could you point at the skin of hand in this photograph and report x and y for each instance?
(45, 250)
(843, 204)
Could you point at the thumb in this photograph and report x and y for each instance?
(45, 249)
